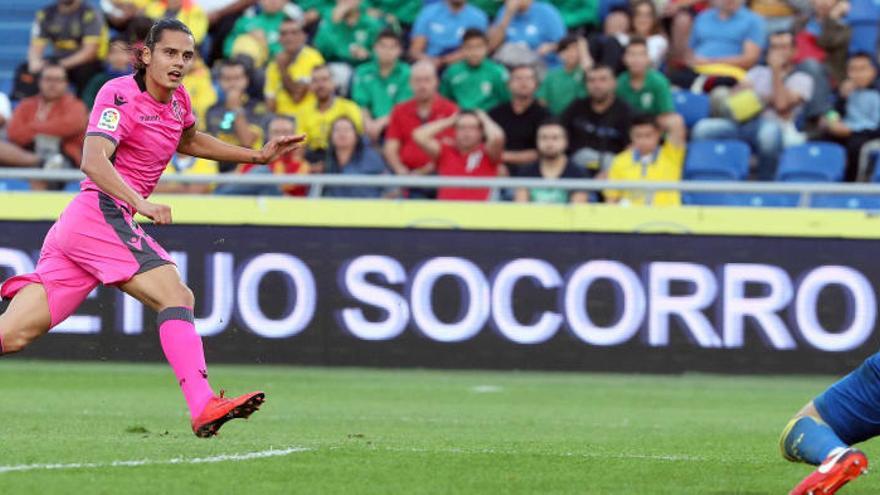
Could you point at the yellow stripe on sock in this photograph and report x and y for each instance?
(784, 436)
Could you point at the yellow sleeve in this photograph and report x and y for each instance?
(273, 81)
(154, 10)
(204, 167)
(674, 155)
(615, 173)
(197, 21)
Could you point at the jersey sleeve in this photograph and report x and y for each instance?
(108, 119)
(39, 33)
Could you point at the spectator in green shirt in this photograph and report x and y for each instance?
(645, 89)
(381, 83)
(315, 10)
(260, 30)
(578, 14)
(395, 12)
(347, 35)
(475, 82)
(564, 84)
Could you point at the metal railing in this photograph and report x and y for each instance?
(805, 191)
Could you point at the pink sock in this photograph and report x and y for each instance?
(183, 349)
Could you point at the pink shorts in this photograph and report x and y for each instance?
(95, 240)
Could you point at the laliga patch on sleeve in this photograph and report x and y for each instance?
(109, 120)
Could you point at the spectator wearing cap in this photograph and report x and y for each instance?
(315, 120)
(437, 32)
(597, 125)
(77, 35)
(566, 83)
(381, 83)
(402, 153)
(475, 82)
(475, 151)
(349, 153)
(529, 25)
(288, 76)
(237, 119)
(552, 163)
(520, 118)
(648, 160)
(345, 39)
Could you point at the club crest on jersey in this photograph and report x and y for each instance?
(177, 111)
(109, 120)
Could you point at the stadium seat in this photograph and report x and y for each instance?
(72, 186)
(812, 162)
(846, 201)
(14, 185)
(692, 106)
(864, 37)
(723, 160)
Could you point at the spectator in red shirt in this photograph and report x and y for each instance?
(402, 154)
(52, 124)
(467, 155)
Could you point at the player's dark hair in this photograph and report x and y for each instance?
(155, 35)
(388, 34)
(473, 33)
(644, 119)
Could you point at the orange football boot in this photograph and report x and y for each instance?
(834, 472)
(219, 410)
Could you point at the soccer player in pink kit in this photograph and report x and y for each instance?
(136, 125)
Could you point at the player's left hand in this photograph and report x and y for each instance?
(280, 145)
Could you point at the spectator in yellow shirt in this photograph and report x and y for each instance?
(187, 165)
(200, 87)
(315, 121)
(646, 159)
(186, 11)
(288, 76)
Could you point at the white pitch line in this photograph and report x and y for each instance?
(147, 462)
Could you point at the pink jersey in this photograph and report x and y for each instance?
(146, 132)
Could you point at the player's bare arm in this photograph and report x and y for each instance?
(199, 144)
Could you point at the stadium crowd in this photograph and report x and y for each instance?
(526, 88)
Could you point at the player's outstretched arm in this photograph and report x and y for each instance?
(199, 144)
(97, 151)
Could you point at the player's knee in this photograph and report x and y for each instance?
(14, 340)
(183, 296)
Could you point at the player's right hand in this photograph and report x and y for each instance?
(159, 214)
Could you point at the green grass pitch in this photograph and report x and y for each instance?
(120, 428)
